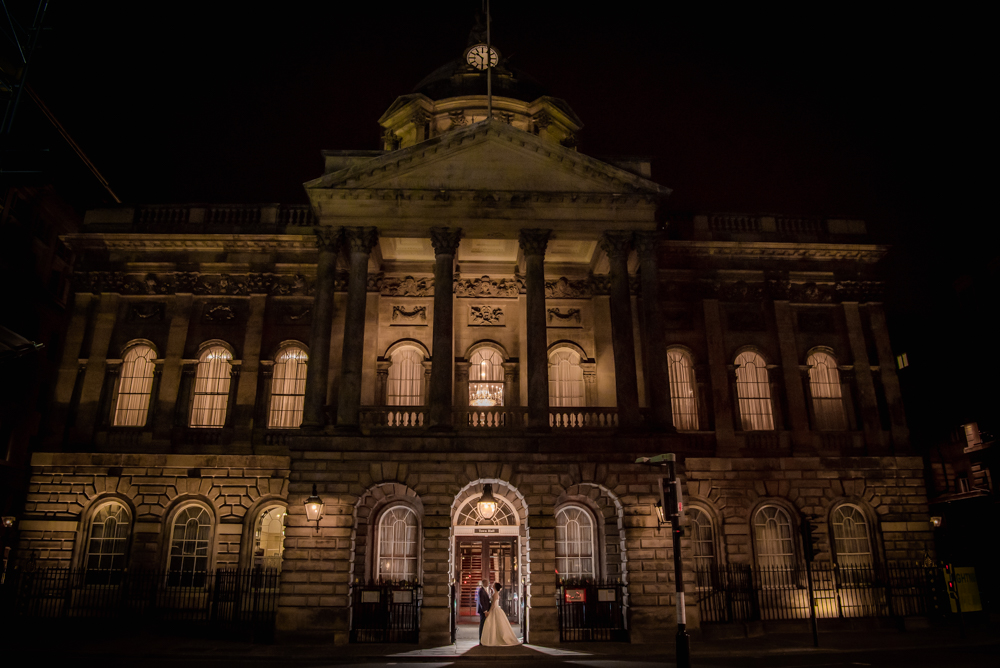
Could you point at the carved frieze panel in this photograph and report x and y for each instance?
(190, 282)
(486, 287)
(412, 316)
(408, 286)
(295, 314)
(144, 311)
(564, 288)
(223, 313)
(556, 317)
(485, 315)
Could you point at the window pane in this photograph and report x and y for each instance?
(574, 543)
(754, 391)
(824, 385)
(683, 401)
(406, 378)
(486, 378)
(269, 538)
(850, 534)
(211, 388)
(107, 543)
(397, 545)
(773, 538)
(565, 378)
(134, 386)
(288, 389)
(189, 545)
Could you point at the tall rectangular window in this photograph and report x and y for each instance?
(211, 388)
(288, 389)
(683, 400)
(135, 384)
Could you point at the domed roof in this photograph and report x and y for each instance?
(457, 78)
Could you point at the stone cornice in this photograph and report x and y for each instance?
(438, 197)
(192, 242)
(867, 253)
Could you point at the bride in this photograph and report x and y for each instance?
(496, 630)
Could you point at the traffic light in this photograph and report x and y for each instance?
(674, 497)
(810, 537)
(949, 580)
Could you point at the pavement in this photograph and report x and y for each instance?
(984, 633)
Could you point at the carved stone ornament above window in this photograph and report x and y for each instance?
(218, 313)
(170, 283)
(564, 288)
(571, 318)
(296, 315)
(408, 287)
(416, 316)
(488, 316)
(146, 312)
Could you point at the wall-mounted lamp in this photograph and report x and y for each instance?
(937, 521)
(314, 508)
(487, 504)
(8, 521)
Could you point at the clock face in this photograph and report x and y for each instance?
(477, 57)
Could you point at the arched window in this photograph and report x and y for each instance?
(211, 388)
(397, 544)
(190, 547)
(288, 388)
(134, 386)
(486, 378)
(107, 544)
(269, 537)
(565, 378)
(754, 392)
(575, 544)
(703, 543)
(683, 400)
(824, 385)
(406, 378)
(850, 536)
(774, 538)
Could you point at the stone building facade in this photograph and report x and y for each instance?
(478, 303)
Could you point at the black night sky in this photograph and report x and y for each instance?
(830, 110)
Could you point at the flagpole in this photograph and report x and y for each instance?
(489, 67)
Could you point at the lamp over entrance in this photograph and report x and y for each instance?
(487, 504)
(314, 508)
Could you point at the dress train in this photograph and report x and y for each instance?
(497, 631)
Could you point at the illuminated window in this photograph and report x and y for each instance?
(850, 536)
(774, 538)
(211, 388)
(397, 544)
(288, 388)
(486, 378)
(702, 538)
(107, 544)
(754, 392)
(135, 384)
(824, 385)
(683, 401)
(406, 378)
(574, 544)
(565, 378)
(190, 544)
(269, 538)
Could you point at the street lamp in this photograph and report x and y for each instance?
(487, 504)
(314, 508)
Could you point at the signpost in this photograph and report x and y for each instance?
(672, 502)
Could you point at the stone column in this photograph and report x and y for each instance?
(382, 382)
(511, 394)
(246, 390)
(93, 378)
(722, 399)
(169, 396)
(589, 382)
(314, 415)
(461, 384)
(617, 246)
(533, 243)
(871, 424)
(798, 413)
(657, 375)
(890, 381)
(445, 242)
(360, 241)
(69, 370)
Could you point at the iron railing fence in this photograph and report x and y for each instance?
(242, 601)
(592, 610)
(385, 612)
(744, 593)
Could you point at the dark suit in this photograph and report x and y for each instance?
(482, 607)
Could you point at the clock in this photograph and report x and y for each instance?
(477, 56)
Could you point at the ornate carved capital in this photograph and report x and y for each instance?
(646, 244)
(534, 241)
(445, 239)
(361, 239)
(616, 244)
(329, 239)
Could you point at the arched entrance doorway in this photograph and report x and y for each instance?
(487, 550)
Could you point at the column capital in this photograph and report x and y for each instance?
(616, 244)
(361, 239)
(329, 239)
(534, 241)
(646, 244)
(445, 239)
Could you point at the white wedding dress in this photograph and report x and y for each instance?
(496, 630)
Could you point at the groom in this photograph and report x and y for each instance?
(482, 606)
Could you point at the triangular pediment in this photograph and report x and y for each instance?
(488, 156)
